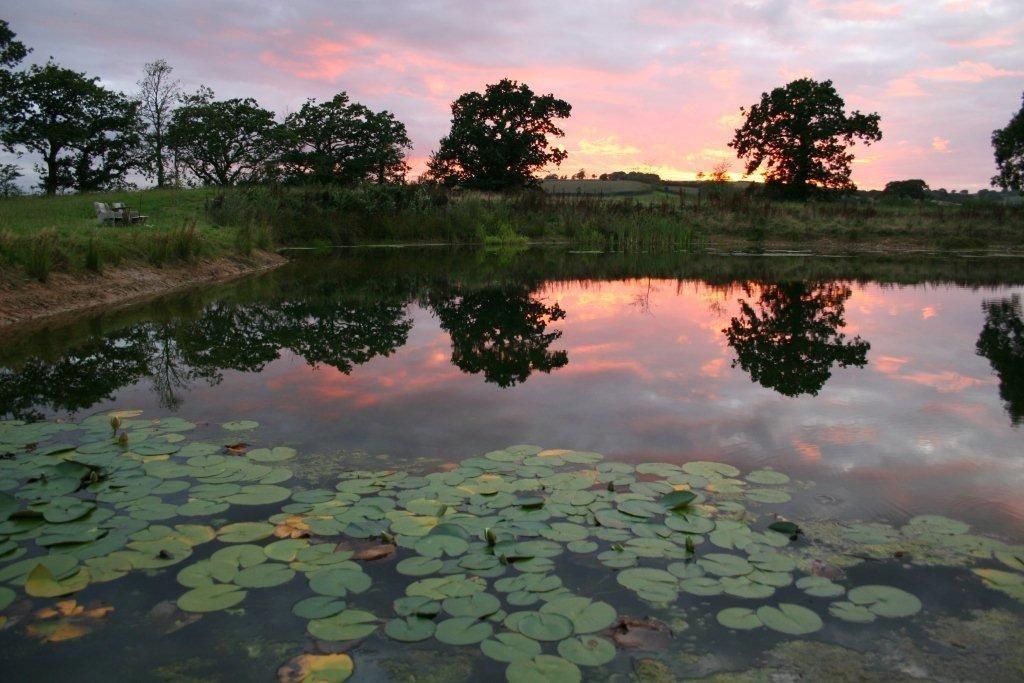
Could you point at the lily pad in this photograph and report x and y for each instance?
(545, 626)
(739, 618)
(788, 618)
(589, 650)
(543, 669)
(409, 629)
(211, 598)
(510, 647)
(463, 631)
(586, 615)
(348, 625)
(885, 601)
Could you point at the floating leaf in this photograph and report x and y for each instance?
(463, 631)
(678, 499)
(586, 615)
(41, 583)
(885, 601)
(318, 607)
(264, 576)
(478, 605)
(211, 598)
(788, 618)
(348, 625)
(820, 587)
(740, 618)
(544, 626)
(543, 669)
(244, 532)
(587, 650)
(409, 629)
(656, 585)
(510, 647)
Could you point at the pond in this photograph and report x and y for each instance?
(437, 464)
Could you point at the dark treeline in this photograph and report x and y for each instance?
(91, 138)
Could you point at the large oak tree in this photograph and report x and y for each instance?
(1008, 144)
(500, 137)
(801, 135)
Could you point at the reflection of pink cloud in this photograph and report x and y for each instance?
(807, 451)
(944, 382)
(928, 312)
(845, 434)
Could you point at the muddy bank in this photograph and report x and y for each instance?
(22, 304)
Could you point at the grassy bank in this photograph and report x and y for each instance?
(41, 235)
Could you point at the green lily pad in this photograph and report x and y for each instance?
(478, 605)
(739, 618)
(656, 585)
(544, 626)
(847, 611)
(463, 631)
(277, 454)
(885, 601)
(820, 587)
(419, 566)
(767, 477)
(788, 618)
(417, 606)
(211, 598)
(678, 499)
(318, 607)
(510, 647)
(409, 629)
(339, 582)
(543, 669)
(586, 615)
(348, 625)
(244, 532)
(589, 650)
(264, 575)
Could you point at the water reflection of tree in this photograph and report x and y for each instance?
(500, 331)
(789, 338)
(1002, 342)
(174, 354)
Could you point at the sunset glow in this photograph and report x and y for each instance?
(654, 86)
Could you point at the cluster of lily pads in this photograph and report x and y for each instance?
(493, 547)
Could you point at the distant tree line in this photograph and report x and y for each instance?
(91, 138)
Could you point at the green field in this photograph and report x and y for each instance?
(43, 234)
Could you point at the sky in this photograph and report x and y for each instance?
(654, 85)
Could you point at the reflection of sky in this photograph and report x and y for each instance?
(921, 428)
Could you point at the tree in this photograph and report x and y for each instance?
(224, 142)
(344, 142)
(500, 331)
(907, 189)
(791, 340)
(499, 138)
(1008, 144)
(9, 174)
(1002, 342)
(12, 52)
(158, 94)
(802, 134)
(86, 134)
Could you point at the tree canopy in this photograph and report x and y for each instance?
(1008, 144)
(913, 188)
(158, 93)
(801, 134)
(224, 142)
(343, 142)
(790, 338)
(500, 138)
(86, 134)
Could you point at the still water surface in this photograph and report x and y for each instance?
(896, 387)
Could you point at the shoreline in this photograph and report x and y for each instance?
(26, 305)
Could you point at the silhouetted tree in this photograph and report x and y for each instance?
(789, 339)
(87, 135)
(907, 189)
(12, 52)
(224, 142)
(500, 331)
(499, 138)
(1002, 342)
(802, 134)
(344, 142)
(158, 93)
(9, 174)
(1008, 144)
